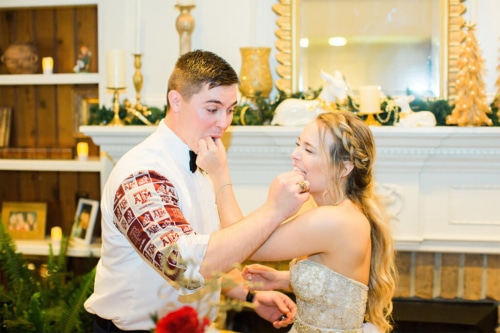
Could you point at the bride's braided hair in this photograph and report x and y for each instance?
(353, 141)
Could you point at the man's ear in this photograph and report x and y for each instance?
(348, 166)
(174, 99)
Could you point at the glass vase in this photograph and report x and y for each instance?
(255, 74)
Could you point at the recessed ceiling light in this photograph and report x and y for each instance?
(337, 41)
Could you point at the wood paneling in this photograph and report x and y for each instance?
(45, 33)
(47, 116)
(26, 117)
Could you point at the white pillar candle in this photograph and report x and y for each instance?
(82, 150)
(185, 2)
(369, 99)
(115, 65)
(56, 236)
(47, 65)
(138, 27)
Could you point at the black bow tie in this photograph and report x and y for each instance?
(192, 161)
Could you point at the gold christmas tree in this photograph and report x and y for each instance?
(471, 104)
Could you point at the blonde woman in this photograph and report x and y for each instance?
(343, 272)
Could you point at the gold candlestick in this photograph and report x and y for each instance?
(138, 81)
(116, 108)
(185, 26)
(371, 121)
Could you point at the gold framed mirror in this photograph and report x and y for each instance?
(289, 52)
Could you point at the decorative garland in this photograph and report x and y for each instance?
(260, 111)
(129, 116)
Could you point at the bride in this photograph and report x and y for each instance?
(342, 270)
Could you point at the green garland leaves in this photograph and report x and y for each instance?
(103, 116)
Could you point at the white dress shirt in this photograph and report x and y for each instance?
(154, 208)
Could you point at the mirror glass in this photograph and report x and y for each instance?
(394, 44)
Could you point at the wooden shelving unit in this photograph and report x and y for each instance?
(48, 123)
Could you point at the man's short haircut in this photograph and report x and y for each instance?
(195, 69)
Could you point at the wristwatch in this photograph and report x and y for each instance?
(250, 296)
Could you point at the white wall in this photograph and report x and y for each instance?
(223, 26)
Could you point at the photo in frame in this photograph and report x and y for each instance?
(83, 225)
(25, 220)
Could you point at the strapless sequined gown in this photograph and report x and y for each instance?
(326, 301)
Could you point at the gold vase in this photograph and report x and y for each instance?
(255, 75)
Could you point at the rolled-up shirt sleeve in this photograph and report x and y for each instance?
(146, 211)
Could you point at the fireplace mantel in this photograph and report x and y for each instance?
(442, 183)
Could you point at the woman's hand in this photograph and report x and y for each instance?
(261, 277)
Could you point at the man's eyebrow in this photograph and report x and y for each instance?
(216, 101)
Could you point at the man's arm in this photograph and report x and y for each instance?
(146, 211)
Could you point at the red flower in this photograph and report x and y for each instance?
(183, 320)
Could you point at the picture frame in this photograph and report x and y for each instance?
(87, 104)
(84, 221)
(25, 220)
(5, 124)
(84, 100)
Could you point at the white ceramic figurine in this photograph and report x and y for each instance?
(299, 112)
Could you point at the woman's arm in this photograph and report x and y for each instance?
(261, 277)
(213, 160)
(308, 233)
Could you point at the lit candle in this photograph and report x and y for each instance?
(115, 64)
(369, 99)
(138, 27)
(47, 65)
(56, 235)
(185, 2)
(82, 150)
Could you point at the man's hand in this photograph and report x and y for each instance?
(273, 305)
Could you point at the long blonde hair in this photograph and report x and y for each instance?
(353, 141)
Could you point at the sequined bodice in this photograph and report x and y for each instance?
(326, 299)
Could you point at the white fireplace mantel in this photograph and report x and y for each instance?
(442, 183)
